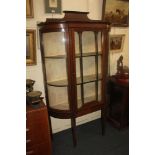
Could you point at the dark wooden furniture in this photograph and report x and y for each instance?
(74, 54)
(38, 140)
(118, 95)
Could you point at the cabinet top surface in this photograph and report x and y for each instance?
(120, 81)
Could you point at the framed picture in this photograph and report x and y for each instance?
(52, 6)
(30, 47)
(29, 9)
(116, 12)
(116, 43)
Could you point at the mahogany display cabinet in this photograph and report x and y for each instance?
(74, 53)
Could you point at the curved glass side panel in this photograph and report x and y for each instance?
(54, 44)
(54, 47)
(58, 97)
(56, 70)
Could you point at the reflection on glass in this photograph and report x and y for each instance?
(56, 69)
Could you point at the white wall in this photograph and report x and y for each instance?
(35, 72)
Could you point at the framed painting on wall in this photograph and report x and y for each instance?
(116, 12)
(29, 9)
(30, 47)
(52, 6)
(116, 43)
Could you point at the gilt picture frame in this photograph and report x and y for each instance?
(53, 6)
(29, 9)
(30, 47)
(116, 43)
(116, 12)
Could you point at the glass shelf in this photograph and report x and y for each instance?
(59, 83)
(88, 54)
(86, 79)
(77, 55)
(61, 106)
(56, 57)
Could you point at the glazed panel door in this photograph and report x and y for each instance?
(89, 75)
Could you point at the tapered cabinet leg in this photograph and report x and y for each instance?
(73, 125)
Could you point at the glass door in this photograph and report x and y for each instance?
(88, 66)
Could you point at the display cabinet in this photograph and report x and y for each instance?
(74, 53)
